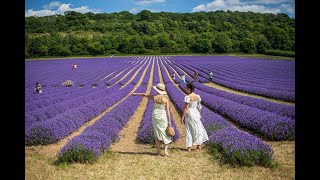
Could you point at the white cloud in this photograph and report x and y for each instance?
(272, 1)
(237, 5)
(216, 3)
(63, 8)
(199, 8)
(44, 12)
(234, 2)
(287, 8)
(52, 5)
(60, 10)
(148, 2)
(134, 10)
(255, 8)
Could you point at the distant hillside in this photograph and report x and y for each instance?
(155, 33)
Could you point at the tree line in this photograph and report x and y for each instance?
(161, 32)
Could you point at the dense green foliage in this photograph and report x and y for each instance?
(280, 53)
(154, 33)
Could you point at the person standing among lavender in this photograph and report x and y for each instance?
(191, 118)
(160, 117)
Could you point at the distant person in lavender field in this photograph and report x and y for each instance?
(38, 88)
(75, 66)
(173, 75)
(210, 76)
(160, 117)
(72, 66)
(191, 118)
(183, 78)
(195, 73)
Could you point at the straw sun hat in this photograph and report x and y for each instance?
(160, 88)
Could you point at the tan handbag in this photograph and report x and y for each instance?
(170, 131)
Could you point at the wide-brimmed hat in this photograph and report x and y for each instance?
(160, 88)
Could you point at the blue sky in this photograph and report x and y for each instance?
(50, 7)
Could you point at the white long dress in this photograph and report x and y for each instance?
(160, 123)
(195, 132)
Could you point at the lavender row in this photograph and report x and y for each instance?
(146, 78)
(252, 75)
(51, 111)
(46, 72)
(236, 147)
(145, 132)
(57, 128)
(269, 125)
(287, 96)
(248, 82)
(156, 78)
(280, 109)
(239, 146)
(283, 95)
(189, 71)
(98, 137)
(270, 69)
(49, 131)
(129, 76)
(203, 77)
(44, 114)
(247, 77)
(246, 70)
(114, 80)
(41, 103)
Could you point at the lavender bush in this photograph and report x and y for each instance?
(97, 138)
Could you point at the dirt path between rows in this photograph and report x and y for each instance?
(128, 134)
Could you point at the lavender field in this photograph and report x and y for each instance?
(85, 120)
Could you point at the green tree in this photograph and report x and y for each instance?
(150, 42)
(262, 44)
(248, 46)
(135, 45)
(123, 46)
(59, 50)
(221, 43)
(105, 33)
(202, 46)
(144, 15)
(96, 48)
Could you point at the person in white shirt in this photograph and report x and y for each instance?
(210, 76)
(38, 88)
(173, 75)
(183, 78)
(191, 118)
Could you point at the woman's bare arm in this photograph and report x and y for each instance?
(185, 110)
(168, 111)
(143, 94)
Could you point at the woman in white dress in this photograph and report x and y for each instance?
(195, 132)
(160, 117)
